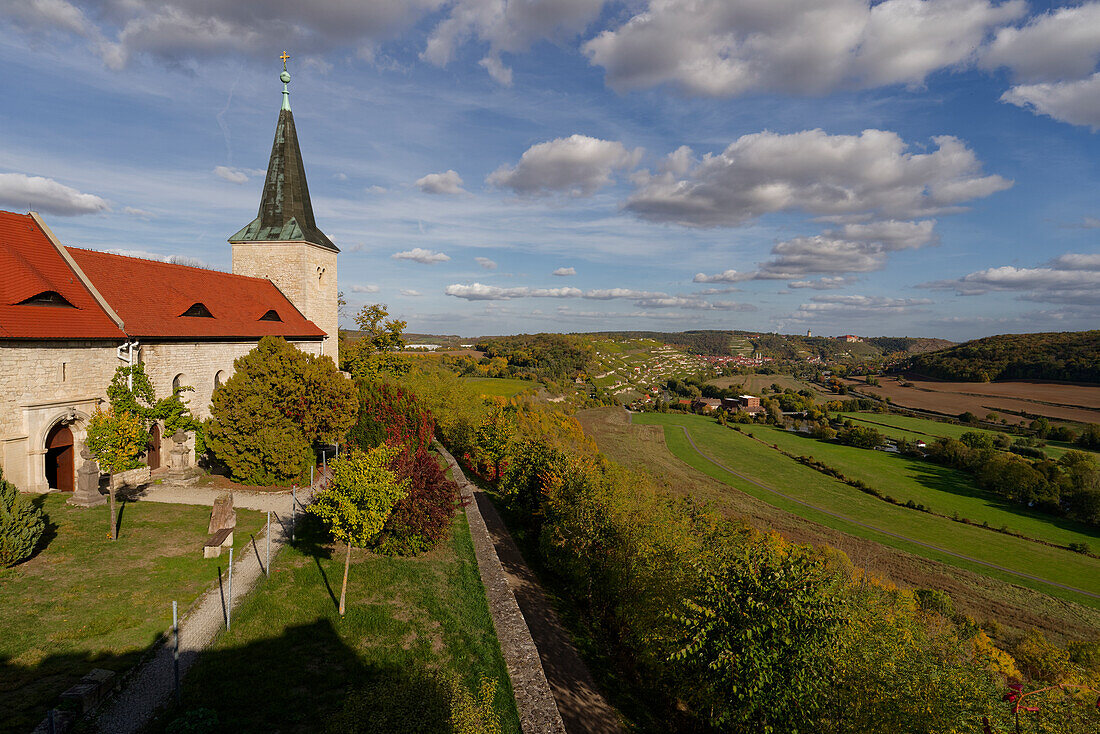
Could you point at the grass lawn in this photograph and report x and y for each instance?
(774, 470)
(290, 663)
(942, 489)
(85, 602)
(500, 386)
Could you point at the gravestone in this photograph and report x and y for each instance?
(223, 518)
(87, 483)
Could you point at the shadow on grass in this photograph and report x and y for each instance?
(308, 680)
(49, 532)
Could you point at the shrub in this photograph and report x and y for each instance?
(391, 414)
(421, 518)
(1079, 547)
(195, 721)
(21, 525)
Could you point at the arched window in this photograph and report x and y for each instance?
(219, 379)
(177, 382)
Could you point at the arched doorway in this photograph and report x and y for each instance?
(59, 458)
(152, 449)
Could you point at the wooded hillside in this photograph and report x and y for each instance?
(1072, 356)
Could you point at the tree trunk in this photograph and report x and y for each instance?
(344, 586)
(113, 534)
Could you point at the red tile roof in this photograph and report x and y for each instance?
(150, 296)
(30, 265)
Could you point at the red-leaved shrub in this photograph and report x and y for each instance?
(421, 519)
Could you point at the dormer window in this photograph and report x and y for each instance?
(198, 310)
(271, 315)
(47, 298)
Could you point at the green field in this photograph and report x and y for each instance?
(292, 664)
(503, 387)
(881, 521)
(941, 489)
(924, 429)
(86, 602)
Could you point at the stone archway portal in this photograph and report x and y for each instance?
(59, 458)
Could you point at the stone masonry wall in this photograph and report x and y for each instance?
(306, 275)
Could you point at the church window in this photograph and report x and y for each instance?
(271, 315)
(177, 382)
(47, 298)
(219, 379)
(198, 310)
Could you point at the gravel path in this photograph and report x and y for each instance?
(149, 687)
(536, 646)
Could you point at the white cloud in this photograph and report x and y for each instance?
(135, 212)
(732, 47)
(565, 271)
(377, 189)
(486, 263)
(845, 177)
(577, 166)
(447, 182)
(840, 307)
(49, 15)
(420, 255)
(36, 193)
(1073, 278)
(854, 248)
(1063, 43)
(340, 176)
(726, 276)
(606, 294)
(232, 175)
(370, 288)
(481, 292)
(1076, 102)
(643, 299)
(507, 27)
(410, 292)
(822, 284)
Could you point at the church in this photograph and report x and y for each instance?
(69, 317)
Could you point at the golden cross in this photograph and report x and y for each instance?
(284, 57)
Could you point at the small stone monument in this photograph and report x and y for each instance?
(223, 518)
(87, 483)
(180, 470)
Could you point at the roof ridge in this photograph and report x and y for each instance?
(168, 264)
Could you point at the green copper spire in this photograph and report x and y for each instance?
(285, 77)
(286, 213)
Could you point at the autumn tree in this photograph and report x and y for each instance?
(375, 352)
(356, 506)
(117, 439)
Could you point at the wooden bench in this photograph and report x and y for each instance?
(223, 518)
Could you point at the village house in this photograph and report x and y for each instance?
(69, 317)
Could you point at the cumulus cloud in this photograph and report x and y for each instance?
(482, 292)
(37, 193)
(822, 284)
(370, 288)
(1072, 278)
(839, 307)
(726, 276)
(447, 182)
(486, 263)
(840, 177)
(854, 248)
(49, 15)
(565, 271)
(1076, 102)
(410, 292)
(508, 27)
(733, 47)
(577, 166)
(1063, 43)
(422, 256)
(232, 175)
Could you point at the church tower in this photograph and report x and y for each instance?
(283, 243)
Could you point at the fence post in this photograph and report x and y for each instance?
(176, 651)
(229, 595)
(294, 509)
(267, 534)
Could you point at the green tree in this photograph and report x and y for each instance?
(757, 639)
(278, 402)
(117, 439)
(21, 525)
(375, 352)
(357, 504)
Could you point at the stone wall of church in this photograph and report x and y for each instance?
(201, 365)
(306, 275)
(43, 383)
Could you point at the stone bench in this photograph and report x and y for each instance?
(223, 518)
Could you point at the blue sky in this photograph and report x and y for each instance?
(905, 167)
